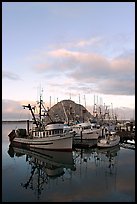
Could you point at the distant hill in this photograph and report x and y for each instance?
(67, 111)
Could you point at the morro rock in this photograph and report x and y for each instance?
(68, 111)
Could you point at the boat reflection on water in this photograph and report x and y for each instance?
(45, 165)
(109, 154)
(104, 160)
(98, 153)
(54, 167)
(108, 158)
(109, 151)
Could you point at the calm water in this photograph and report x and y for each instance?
(81, 176)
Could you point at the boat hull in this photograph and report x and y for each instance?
(88, 135)
(104, 143)
(53, 143)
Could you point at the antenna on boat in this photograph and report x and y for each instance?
(85, 100)
(50, 101)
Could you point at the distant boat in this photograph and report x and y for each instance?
(110, 140)
(87, 131)
(85, 135)
(42, 136)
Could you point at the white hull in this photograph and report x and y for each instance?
(89, 134)
(52, 143)
(85, 131)
(108, 143)
(93, 134)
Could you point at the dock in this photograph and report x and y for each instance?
(90, 143)
(126, 135)
(127, 146)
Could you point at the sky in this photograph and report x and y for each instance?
(83, 51)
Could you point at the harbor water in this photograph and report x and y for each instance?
(83, 175)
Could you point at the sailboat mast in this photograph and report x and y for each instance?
(40, 108)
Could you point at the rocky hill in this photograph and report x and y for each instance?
(68, 111)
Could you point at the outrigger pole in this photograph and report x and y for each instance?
(30, 108)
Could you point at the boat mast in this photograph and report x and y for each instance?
(40, 108)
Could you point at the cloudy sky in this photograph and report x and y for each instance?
(79, 51)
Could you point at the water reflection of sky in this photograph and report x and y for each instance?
(90, 182)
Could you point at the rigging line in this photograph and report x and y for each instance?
(29, 116)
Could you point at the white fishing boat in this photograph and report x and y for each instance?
(42, 136)
(85, 135)
(86, 131)
(109, 140)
